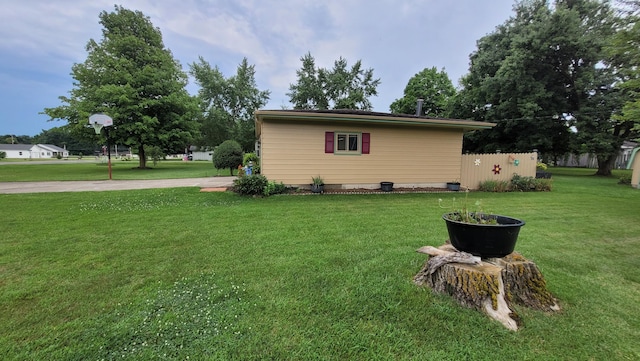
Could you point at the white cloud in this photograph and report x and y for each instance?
(397, 38)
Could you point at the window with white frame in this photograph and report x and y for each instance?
(347, 142)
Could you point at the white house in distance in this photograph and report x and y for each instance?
(33, 151)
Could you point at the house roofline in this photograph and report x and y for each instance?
(359, 116)
(51, 147)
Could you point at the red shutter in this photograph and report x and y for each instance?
(366, 143)
(328, 142)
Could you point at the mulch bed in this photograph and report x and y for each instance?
(301, 191)
(374, 191)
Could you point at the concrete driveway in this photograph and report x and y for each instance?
(112, 185)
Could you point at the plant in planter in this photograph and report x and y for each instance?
(541, 171)
(317, 184)
(481, 234)
(463, 214)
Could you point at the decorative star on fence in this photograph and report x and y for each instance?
(496, 169)
(477, 162)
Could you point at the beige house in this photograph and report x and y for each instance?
(360, 149)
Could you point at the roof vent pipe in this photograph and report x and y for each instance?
(419, 108)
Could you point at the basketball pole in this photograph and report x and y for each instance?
(100, 121)
(106, 129)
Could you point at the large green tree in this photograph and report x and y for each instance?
(228, 104)
(534, 74)
(433, 87)
(624, 56)
(599, 132)
(611, 115)
(130, 76)
(341, 87)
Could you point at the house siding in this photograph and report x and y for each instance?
(405, 155)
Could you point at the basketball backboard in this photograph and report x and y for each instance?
(98, 121)
(103, 119)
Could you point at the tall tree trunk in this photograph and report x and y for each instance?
(143, 157)
(605, 164)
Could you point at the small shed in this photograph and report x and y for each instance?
(360, 149)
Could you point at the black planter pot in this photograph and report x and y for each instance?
(542, 174)
(485, 240)
(453, 186)
(386, 186)
(317, 188)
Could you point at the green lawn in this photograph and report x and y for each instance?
(98, 170)
(175, 273)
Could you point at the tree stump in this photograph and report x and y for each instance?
(490, 285)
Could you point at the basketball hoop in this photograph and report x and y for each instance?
(99, 121)
(102, 120)
(97, 127)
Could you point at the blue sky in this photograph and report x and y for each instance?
(41, 39)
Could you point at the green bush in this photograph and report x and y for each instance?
(518, 183)
(155, 153)
(3, 155)
(529, 184)
(543, 184)
(250, 185)
(256, 184)
(624, 179)
(228, 155)
(494, 186)
(274, 188)
(522, 184)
